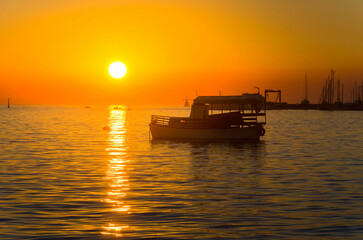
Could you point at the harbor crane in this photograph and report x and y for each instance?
(278, 97)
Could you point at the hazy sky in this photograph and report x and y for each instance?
(58, 52)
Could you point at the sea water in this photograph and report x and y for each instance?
(63, 177)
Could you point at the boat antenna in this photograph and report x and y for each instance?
(306, 86)
(258, 89)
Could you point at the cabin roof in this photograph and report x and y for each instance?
(245, 98)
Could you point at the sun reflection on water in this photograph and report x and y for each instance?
(117, 171)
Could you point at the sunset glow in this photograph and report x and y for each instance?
(175, 49)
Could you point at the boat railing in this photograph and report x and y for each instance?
(252, 119)
(160, 120)
(237, 118)
(177, 122)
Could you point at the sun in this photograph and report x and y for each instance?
(117, 69)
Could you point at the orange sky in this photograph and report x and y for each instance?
(58, 52)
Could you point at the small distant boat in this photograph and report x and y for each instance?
(239, 117)
(186, 104)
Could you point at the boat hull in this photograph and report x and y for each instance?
(246, 133)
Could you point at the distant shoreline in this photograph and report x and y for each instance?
(327, 107)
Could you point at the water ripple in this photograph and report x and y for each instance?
(63, 177)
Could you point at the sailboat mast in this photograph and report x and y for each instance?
(306, 86)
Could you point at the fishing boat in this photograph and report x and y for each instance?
(237, 117)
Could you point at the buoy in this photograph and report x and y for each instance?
(106, 128)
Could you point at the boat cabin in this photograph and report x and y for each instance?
(220, 112)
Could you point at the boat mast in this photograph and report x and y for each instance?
(338, 90)
(306, 86)
(342, 93)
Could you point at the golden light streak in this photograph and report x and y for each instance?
(117, 170)
(113, 229)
